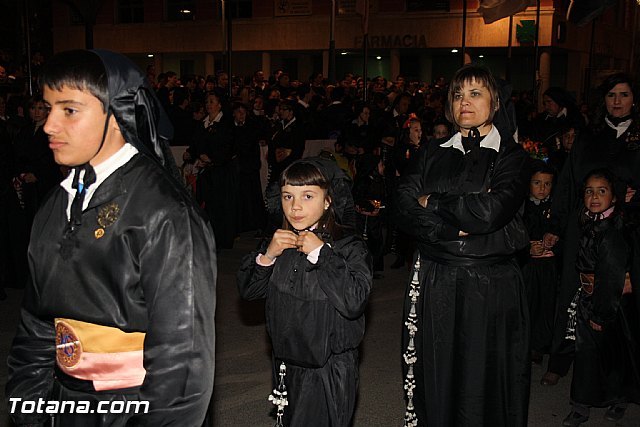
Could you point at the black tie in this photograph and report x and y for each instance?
(75, 220)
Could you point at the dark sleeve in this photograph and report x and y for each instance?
(610, 272)
(298, 142)
(178, 278)
(253, 279)
(408, 215)
(345, 276)
(30, 364)
(489, 211)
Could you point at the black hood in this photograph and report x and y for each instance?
(142, 120)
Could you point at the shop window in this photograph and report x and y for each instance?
(240, 8)
(75, 18)
(236, 8)
(181, 10)
(130, 11)
(422, 5)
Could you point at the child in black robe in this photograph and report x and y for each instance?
(605, 320)
(316, 279)
(369, 196)
(539, 269)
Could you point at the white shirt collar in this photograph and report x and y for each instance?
(216, 119)
(563, 112)
(103, 171)
(491, 140)
(284, 126)
(621, 128)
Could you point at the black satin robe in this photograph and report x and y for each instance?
(472, 341)
(153, 271)
(606, 365)
(315, 318)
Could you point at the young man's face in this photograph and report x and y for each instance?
(75, 126)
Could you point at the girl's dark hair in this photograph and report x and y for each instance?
(77, 69)
(480, 75)
(301, 173)
(602, 173)
(539, 166)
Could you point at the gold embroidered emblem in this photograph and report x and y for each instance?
(68, 346)
(107, 215)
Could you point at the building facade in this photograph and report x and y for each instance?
(420, 39)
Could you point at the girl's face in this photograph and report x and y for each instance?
(415, 132)
(38, 112)
(619, 100)
(304, 205)
(598, 195)
(540, 185)
(440, 131)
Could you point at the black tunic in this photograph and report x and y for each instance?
(216, 185)
(251, 210)
(540, 277)
(606, 364)
(315, 318)
(152, 271)
(472, 334)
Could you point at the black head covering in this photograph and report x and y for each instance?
(142, 120)
(340, 185)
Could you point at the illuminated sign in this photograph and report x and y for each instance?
(394, 41)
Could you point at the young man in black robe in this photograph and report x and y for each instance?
(120, 306)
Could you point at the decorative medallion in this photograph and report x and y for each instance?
(107, 215)
(68, 346)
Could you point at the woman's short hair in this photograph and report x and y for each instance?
(77, 69)
(615, 79)
(465, 75)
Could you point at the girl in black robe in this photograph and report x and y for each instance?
(539, 269)
(613, 143)
(466, 341)
(605, 328)
(316, 278)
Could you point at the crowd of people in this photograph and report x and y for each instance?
(519, 228)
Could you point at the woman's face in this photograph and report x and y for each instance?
(598, 195)
(415, 133)
(619, 100)
(567, 139)
(364, 115)
(472, 107)
(213, 105)
(550, 106)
